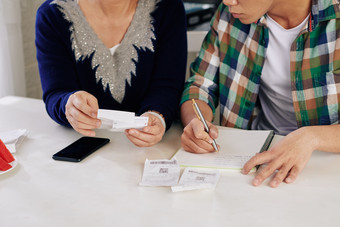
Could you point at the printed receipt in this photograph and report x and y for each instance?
(167, 172)
(160, 173)
(193, 178)
(118, 121)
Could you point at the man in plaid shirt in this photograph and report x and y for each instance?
(270, 65)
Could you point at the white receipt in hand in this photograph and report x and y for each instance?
(197, 179)
(115, 120)
(160, 173)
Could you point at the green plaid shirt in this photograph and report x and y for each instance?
(228, 68)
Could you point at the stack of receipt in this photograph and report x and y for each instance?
(167, 173)
(160, 173)
(197, 179)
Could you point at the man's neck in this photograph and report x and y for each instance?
(290, 13)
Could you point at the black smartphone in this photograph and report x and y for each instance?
(80, 149)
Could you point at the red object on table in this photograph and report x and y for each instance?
(4, 165)
(5, 155)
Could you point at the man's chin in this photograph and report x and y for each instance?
(246, 21)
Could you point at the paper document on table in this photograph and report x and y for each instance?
(115, 120)
(194, 178)
(160, 173)
(237, 146)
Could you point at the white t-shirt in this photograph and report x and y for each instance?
(113, 49)
(275, 94)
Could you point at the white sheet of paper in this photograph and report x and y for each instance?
(193, 178)
(13, 138)
(115, 120)
(160, 173)
(237, 147)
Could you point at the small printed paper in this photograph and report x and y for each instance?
(160, 173)
(13, 138)
(193, 178)
(115, 120)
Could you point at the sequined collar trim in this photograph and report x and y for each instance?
(111, 71)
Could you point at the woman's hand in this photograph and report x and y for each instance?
(81, 113)
(150, 135)
(196, 140)
(288, 158)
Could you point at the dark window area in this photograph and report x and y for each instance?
(199, 13)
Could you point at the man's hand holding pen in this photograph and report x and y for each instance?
(198, 138)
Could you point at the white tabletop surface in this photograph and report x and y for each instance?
(103, 190)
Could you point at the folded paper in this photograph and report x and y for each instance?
(13, 138)
(115, 120)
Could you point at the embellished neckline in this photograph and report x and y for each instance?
(113, 72)
(81, 14)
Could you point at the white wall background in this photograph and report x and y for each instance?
(19, 74)
(28, 12)
(18, 66)
(12, 76)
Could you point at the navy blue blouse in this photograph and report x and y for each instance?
(146, 72)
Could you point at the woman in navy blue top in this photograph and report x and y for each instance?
(125, 55)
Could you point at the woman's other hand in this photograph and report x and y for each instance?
(81, 113)
(149, 135)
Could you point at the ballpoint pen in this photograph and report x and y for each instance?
(201, 118)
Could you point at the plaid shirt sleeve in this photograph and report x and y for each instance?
(203, 82)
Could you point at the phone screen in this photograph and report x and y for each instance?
(80, 149)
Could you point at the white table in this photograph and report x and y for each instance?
(103, 189)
